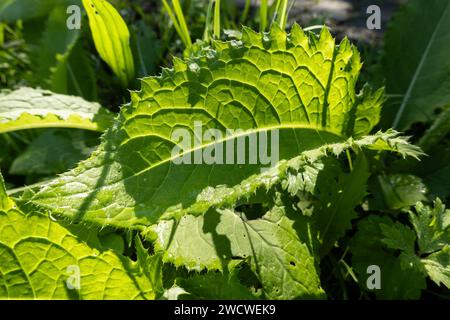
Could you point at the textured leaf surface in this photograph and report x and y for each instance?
(418, 70)
(39, 256)
(301, 85)
(368, 109)
(210, 241)
(437, 266)
(111, 38)
(435, 170)
(400, 190)
(284, 264)
(368, 249)
(5, 202)
(28, 108)
(338, 196)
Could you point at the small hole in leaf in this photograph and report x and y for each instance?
(96, 12)
(292, 263)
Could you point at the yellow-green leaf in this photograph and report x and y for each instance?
(111, 37)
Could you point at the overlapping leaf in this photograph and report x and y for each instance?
(41, 259)
(403, 276)
(28, 108)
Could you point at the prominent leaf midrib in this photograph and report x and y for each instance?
(122, 44)
(193, 150)
(224, 140)
(418, 70)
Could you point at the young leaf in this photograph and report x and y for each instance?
(416, 63)
(262, 85)
(53, 152)
(28, 108)
(403, 276)
(111, 38)
(368, 249)
(432, 226)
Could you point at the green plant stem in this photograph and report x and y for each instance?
(263, 15)
(179, 23)
(349, 158)
(217, 19)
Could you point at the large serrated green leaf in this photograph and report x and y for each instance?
(301, 85)
(28, 108)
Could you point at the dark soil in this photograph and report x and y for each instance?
(345, 17)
